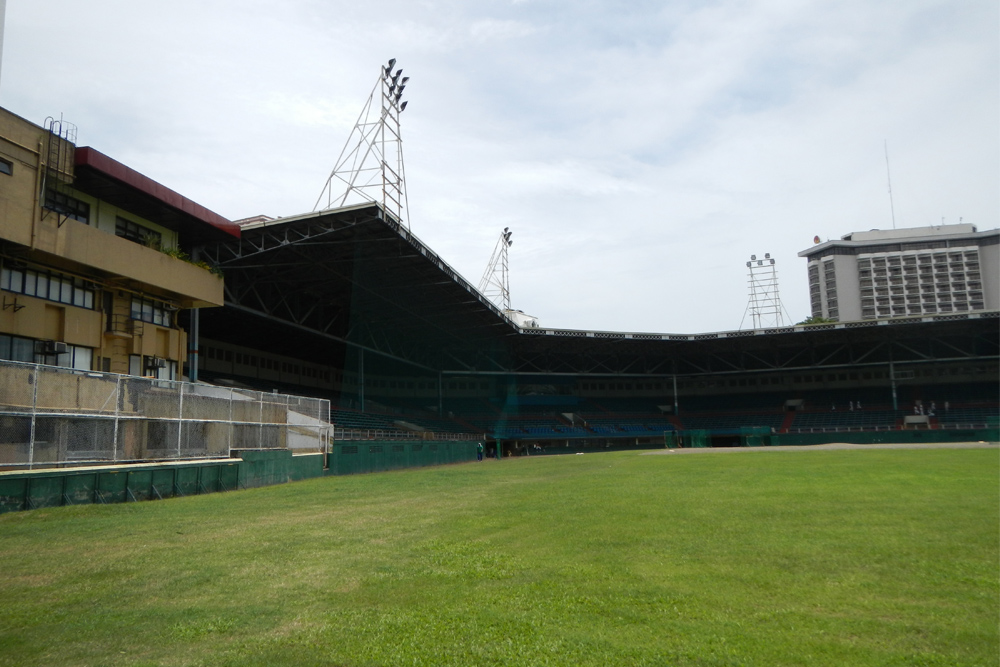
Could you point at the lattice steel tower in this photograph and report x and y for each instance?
(764, 305)
(370, 166)
(495, 283)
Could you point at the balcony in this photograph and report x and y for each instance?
(91, 247)
(123, 326)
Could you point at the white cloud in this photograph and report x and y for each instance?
(640, 151)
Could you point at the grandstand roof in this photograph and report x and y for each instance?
(354, 276)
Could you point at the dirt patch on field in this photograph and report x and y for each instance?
(832, 445)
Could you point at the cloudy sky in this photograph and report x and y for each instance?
(641, 151)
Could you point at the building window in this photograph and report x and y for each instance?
(64, 204)
(74, 356)
(154, 312)
(137, 233)
(16, 348)
(48, 285)
(6, 167)
(146, 366)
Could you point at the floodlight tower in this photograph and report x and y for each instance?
(495, 283)
(764, 305)
(370, 166)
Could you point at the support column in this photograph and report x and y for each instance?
(892, 381)
(361, 378)
(193, 344)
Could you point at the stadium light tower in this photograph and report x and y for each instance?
(495, 283)
(370, 166)
(764, 305)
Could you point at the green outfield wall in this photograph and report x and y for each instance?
(889, 437)
(54, 487)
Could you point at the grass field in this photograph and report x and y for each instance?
(742, 558)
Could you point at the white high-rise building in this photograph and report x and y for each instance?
(905, 272)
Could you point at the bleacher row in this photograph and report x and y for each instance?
(581, 417)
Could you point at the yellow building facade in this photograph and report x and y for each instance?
(95, 257)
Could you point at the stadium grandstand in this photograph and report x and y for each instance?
(347, 304)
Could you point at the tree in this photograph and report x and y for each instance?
(815, 319)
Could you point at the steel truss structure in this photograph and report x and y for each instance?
(356, 279)
(848, 345)
(370, 166)
(495, 283)
(764, 304)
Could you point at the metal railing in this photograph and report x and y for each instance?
(344, 434)
(911, 427)
(51, 416)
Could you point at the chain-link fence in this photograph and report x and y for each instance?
(51, 415)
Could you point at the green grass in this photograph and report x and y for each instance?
(742, 558)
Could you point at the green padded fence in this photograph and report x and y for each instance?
(755, 436)
(894, 437)
(696, 438)
(31, 489)
(115, 484)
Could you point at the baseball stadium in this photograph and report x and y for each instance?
(820, 493)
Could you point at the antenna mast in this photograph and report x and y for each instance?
(370, 166)
(888, 177)
(495, 283)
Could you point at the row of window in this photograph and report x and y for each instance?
(16, 348)
(67, 205)
(146, 366)
(153, 312)
(264, 363)
(72, 291)
(48, 285)
(79, 210)
(137, 233)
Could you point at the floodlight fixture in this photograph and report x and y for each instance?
(370, 166)
(495, 283)
(764, 305)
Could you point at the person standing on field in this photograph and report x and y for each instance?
(479, 451)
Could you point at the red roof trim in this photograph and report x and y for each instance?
(89, 157)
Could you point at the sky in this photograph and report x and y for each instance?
(639, 151)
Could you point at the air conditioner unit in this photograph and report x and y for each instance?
(156, 362)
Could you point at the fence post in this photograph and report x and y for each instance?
(260, 422)
(180, 419)
(232, 427)
(118, 398)
(34, 409)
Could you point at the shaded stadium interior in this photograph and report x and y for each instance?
(349, 305)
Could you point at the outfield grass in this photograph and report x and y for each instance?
(743, 558)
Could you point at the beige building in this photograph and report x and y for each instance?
(94, 257)
(905, 273)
